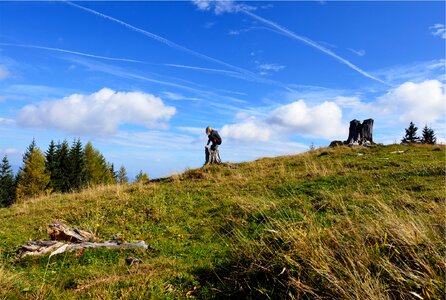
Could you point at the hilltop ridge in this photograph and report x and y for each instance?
(340, 223)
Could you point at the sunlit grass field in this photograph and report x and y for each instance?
(332, 223)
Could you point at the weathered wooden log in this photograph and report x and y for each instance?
(61, 232)
(76, 238)
(39, 248)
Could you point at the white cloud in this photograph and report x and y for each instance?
(202, 4)
(177, 97)
(322, 120)
(297, 118)
(418, 102)
(416, 72)
(6, 121)
(220, 7)
(4, 72)
(11, 151)
(438, 30)
(271, 67)
(348, 102)
(100, 113)
(248, 130)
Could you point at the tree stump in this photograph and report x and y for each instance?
(354, 132)
(212, 156)
(367, 131)
(358, 134)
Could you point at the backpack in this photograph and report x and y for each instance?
(217, 138)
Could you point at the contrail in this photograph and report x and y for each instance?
(117, 71)
(202, 69)
(72, 52)
(311, 43)
(248, 74)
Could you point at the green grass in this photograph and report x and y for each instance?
(343, 223)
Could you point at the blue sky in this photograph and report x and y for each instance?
(142, 80)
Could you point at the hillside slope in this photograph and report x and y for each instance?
(344, 223)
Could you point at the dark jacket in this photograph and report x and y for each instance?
(214, 137)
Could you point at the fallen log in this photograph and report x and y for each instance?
(68, 239)
(39, 248)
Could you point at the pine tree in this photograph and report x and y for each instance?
(77, 171)
(33, 180)
(142, 177)
(428, 136)
(111, 174)
(7, 184)
(122, 176)
(51, 164)
(411, 134)
(62, 174)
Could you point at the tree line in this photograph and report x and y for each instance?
(62, 168)
(411, 137)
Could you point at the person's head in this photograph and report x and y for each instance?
(208, 130)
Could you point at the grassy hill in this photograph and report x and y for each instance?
(344, 223)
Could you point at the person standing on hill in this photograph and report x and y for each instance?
(212, 156)
(213, 137)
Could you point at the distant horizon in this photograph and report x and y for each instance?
(142, 80)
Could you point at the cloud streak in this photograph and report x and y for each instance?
(231, 73)
(71, 52)
(229, 6)
(311, 43)
(247, 74)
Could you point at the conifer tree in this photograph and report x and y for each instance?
(142, 177)
(111, 174)
(77, 170)
(33, 180)
(122, 176)
(51, 164)
(63, 167)
(428, 136)
(7, 186)
(411, 134)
